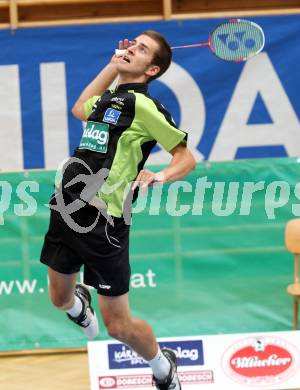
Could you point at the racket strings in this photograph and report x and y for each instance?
(237, 40)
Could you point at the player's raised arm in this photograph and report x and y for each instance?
(99, 85)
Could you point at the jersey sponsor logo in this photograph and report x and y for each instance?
(116, 106)
(118, 100)
(188, 353)
(105, 286)
(95, 137)
(111, 116)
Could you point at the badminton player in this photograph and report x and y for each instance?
(123, 125)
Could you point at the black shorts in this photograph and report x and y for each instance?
(104, 251)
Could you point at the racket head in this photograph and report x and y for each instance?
(237, 40)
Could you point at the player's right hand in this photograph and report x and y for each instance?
(122, 45)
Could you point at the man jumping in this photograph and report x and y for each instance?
(122, 126)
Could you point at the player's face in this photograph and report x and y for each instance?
(137, 62)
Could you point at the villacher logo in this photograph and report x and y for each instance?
(261, 361)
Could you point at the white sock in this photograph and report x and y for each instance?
(160, 365)
(76, 309)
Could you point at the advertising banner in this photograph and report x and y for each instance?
(237, 361)
(210, 249)
(230, 110)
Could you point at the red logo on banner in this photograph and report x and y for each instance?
(260, 361)
(273, 360)
(107, 382)
(145, 380)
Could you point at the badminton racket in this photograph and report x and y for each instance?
(234, 40)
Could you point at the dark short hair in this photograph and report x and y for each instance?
(163, 55)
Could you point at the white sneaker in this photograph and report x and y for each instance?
(172, 381)
(87, 319)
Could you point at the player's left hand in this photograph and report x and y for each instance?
(146, 178)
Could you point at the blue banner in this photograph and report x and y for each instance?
(231, 110)
(188, 353)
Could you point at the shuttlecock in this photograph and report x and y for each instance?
(119, 52)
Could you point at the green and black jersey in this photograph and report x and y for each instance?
(123, 126)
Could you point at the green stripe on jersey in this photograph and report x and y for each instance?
(156, 124)
(89, 104)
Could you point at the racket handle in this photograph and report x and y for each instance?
(119, 52)
(188, 46)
